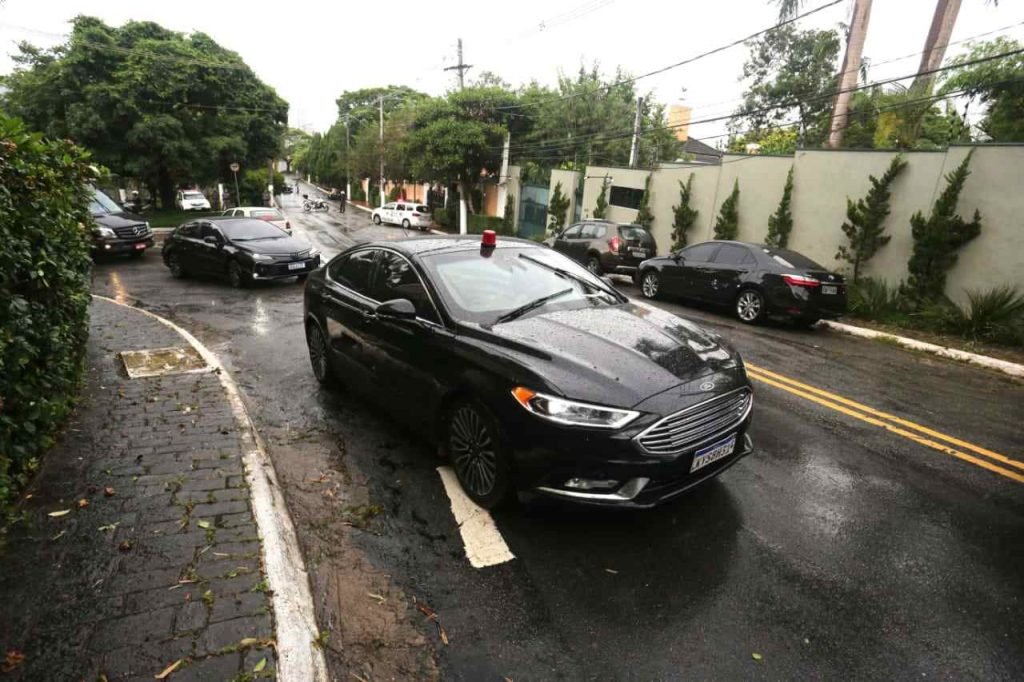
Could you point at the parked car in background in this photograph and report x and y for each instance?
(191, 200)
(408, 214)
(241, 249)
(605, 247)
(756, 281)
(530, 372)
(269, 214)
(117, 231)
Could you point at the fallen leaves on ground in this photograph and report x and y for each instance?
(108, 492)
(163, 675)
(109, 527)
(612, 571)
(62, 512)
(125, 546)
(431, 615)
(380, 598)
(757, 657)
(12, 660)
(260, 666)
(83, 503)
(204, 524)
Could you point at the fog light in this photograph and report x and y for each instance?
(590, 484)
(106, 246)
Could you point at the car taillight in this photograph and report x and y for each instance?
(415, 215)
(801, 281)
(614, 244)
(287, 224)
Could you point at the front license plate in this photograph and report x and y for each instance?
(713, 453)
(829, 290)
(296, 266)
(638, 253)
(140, 247)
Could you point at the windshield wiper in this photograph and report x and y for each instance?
(569, 275)
(532, 305)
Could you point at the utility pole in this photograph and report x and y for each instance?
(634, 150)
(460, 67)
(503, 178)
(348, 159)
(380, 102)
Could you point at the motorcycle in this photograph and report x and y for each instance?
(313, 204)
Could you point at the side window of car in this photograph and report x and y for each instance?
(396, 278)
(588, 231)
(573, 232)
(188, 230)
(701, 253)
(600, 231)
(208, 230)
(730, 254)
(354, 271)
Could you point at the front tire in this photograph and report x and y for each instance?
(650, 284)
(594, 265)
(318, 357)
(406, 224)
(750, 306)
(174, 265)
(236, 277)
(376, 220)
(479, 454)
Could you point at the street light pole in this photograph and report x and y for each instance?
(348, 158)
(380, 102)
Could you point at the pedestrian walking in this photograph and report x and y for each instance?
(342, 198)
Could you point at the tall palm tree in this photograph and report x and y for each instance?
(935, 43)
(852, 59)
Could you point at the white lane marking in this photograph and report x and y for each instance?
(481, 537)
(298, 659)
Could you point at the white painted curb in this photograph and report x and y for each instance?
(298, 660)
(1011, 368)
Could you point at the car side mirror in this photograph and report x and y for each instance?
(677, 257)
(398, 308)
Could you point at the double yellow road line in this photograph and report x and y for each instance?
(982, 457)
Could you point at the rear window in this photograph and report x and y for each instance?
(423, 209)
(631, 232)
(193, 196)
(272, 212)
(792, 259)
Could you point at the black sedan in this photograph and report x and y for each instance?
(241, 249)
(528, 371)
(756, 281)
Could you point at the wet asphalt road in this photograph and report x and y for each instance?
(838, 550)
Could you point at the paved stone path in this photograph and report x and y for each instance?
(158, 559)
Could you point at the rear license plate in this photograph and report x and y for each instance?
(829, 290)
(713, 453)
(296, 266)
(638, 253)
(140, 247)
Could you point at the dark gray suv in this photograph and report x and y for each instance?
(605, 247)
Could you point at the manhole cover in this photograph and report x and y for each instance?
(154, 362)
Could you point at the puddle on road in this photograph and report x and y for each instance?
(155, 362)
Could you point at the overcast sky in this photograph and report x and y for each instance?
(310, 52)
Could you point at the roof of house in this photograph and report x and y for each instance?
(695, 146)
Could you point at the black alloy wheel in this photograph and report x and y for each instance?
(174, 265)
(318, 357)
(650, 284)
(478, 454)
(749, 306)
(236, 277)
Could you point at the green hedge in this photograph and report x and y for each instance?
(476, 224)
(44, 294)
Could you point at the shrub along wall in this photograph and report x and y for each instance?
(44, 294)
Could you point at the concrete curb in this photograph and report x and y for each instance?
(294, 616)
(1005, 366)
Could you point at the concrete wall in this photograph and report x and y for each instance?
(822, 182)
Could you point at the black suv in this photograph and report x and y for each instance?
(117, 231)
(606, 247)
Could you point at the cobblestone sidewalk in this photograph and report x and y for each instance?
(138, 549)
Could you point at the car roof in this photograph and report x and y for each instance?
(415, 246)
(254, 208)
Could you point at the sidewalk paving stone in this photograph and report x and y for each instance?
(167, 566)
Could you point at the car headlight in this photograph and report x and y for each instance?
(571, 412)
(314, 252)
(104, 232)
(262, 257)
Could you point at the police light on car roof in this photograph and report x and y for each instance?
(489, 238)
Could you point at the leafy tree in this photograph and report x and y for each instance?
(295, 145)
(780, 223)
(644, 216)
(727, 226)
(558, 204)
(601, 207)
(865, 220)
(683, 216)
(150, 103)
(998, 85)
(938, 238)
(792, 75)
(253, 186)
(781, 141)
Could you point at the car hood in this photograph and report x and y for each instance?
(116, 220)
(274, 246)
(617, 356)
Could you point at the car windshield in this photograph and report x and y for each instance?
(249, 230)
(483, 288)
(267, 213)
(792, 259)
(101, 204)
(194, 196)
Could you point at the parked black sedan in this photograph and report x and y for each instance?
(241, 249)
(756, 281)
(528, 371)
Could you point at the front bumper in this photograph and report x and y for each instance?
(120, 246)
(281, 270)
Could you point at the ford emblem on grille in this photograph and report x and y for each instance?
(707, 386)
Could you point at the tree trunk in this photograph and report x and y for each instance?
(935, 44)
(466, 190)
(850, 72)
(166, 190)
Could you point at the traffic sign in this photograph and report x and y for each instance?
(235, 167)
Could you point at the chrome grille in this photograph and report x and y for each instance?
(681, 431)
(132, 231)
